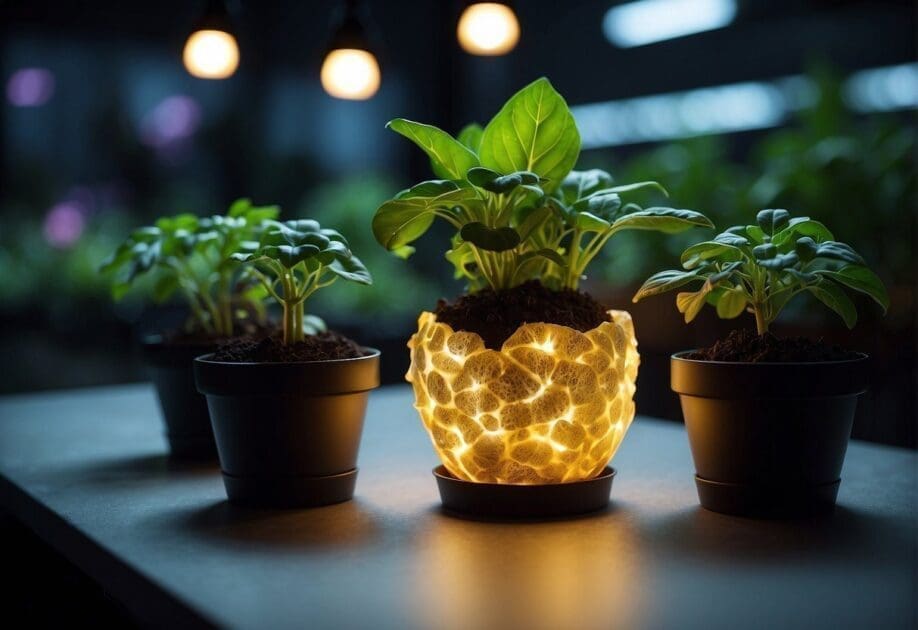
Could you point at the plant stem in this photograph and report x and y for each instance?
(761, 323)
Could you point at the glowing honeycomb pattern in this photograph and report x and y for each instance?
(552, 406)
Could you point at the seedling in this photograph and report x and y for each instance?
(519, 211)
(759, 268)
(294, 260)
(193, 256)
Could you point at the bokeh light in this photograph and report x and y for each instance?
(30, 87)
(174, 119)
(64, 224)
(211, 54)
(488, 28)
(350, 73)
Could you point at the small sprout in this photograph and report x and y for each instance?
(759, 268)
(192, 255)
(293, 260)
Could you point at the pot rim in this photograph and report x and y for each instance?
(678, 356)
(204, 359)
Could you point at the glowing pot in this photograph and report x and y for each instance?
(551, 406)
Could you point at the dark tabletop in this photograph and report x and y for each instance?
(87, 471)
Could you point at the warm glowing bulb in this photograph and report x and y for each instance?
(211, 54)
(350, 73)
(488, 28)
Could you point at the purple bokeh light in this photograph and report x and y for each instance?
(174, 119)
(64, 224)
(30, 87)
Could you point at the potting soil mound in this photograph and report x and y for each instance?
(495, 315)
(746, 346)
(324, 346)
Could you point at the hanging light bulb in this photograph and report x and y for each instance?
(350, 70)
(211, 51)
(488, 28)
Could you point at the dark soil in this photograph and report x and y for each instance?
(495, 315)
(746, 346)
(325, 346)
(182, 337)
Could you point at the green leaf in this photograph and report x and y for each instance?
(626, 188)
(838, 251)
(835, 298)
(589, 222)
(861, 279)
(351, 268)
(802, 226)
(491, 239)
(779, 262)
(400, 221)
(497, 183)
(709, 250)
(449, 158)
(731, 303)
(806, 249)
(664, 281)
(470, 136)
(772, 221)
(579, 184)
(666, 220)
(766, 251)
(313, 325)
(732, 238)
(534, 131)
(602, 203)
(689, 304)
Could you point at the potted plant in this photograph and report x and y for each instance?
(768, 419)
(287, 409)
(525, 383)
(191, 256)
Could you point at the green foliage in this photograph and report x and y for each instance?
(759, 268)
(193, 256)
(518, 210)
(295, 259)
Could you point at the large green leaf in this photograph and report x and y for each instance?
(470, 136)
(835, 298)
(666, 220)
(534, 131)
(861, 279)
(802, 226)
(665, 281)
(626, 188)
(403, 219)
(773, 220)
(449, 158)
(707, 250)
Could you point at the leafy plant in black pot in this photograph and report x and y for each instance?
(525, 384)
(768, 419)
(191, 256)
(288, 409)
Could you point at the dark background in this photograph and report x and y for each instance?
(100, 148)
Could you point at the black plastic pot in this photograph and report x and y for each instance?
(768, 439)
(288, 433)
(171, 368)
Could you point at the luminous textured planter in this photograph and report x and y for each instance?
(551, 406)
(184, 409)
(768, 439)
